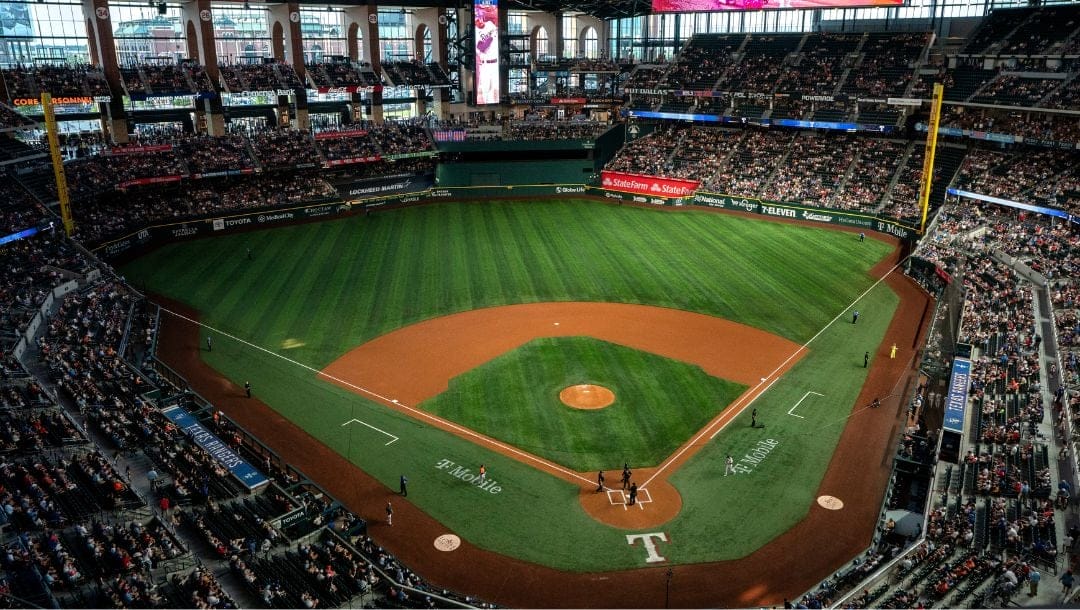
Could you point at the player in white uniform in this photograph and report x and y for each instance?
(487, 54)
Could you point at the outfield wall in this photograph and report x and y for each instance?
(152, 236)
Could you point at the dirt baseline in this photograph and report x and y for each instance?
(787, 566)
(416, 362)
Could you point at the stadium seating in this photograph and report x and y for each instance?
(59, 80)
(273, 76)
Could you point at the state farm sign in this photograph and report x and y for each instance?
(648, 185)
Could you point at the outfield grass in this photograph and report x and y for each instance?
(312, 292)
(659, 402)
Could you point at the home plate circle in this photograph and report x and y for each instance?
(830, 502)
(447, 542)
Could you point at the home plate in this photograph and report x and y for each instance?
(830, 502)
(447, 542)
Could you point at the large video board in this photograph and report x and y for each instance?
(486, 75)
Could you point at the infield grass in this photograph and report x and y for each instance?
(659, 402)
(314, 291)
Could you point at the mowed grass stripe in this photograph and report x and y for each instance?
(299, 317)
(255, 289)
(325, 314)
(494, 253)
(274, 316)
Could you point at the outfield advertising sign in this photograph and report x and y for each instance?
(386, 186)
(802, 212)
(653, 186)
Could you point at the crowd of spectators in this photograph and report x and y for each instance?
(283, 148)
(411, 73)
(60, 80)
(351, 143)
(335, 74)
(265, 76)
(114, 215)
(121, 168)
(1038, 176)
(830, 170)
(1014, 90)
(887, 65)
(813, 170)
(400, 137)
(535, 130)
(1044, 126)
(207, 154)
(185, 78)
(54, 501)
(10, 118)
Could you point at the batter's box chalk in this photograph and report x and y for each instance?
(643, 498)
(617, 497)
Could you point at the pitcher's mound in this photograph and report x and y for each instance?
(586, 396)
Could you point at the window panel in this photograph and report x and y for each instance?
(52, 32)
(142, 34)
(241, 35)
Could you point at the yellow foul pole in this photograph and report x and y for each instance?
(57, 163)
(928, 158)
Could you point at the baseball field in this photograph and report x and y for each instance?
(429, 341)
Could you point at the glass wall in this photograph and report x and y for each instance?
(50, 32)
(651, 37)
(396, 34)
(324, 33)
(143, 34)
(241, 35)
(569, 36)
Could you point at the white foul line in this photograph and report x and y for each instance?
(394, 401)
(392, 437)
(668, 462)
(800, 402)
(763, 390)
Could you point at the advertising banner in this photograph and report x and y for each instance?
(350, 89)
(802, 212)
(333, 135)
(62, 100)
(140, 150)
(486, 38)
(956, 398)
(648, 185)
(222, 453)
(350, 161)
(228, 172)
(361, 189)
(150, 180)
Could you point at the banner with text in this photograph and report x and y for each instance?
(880, 224)
(222, 453)
(648, 185)
(956, 399)
(333, 135)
